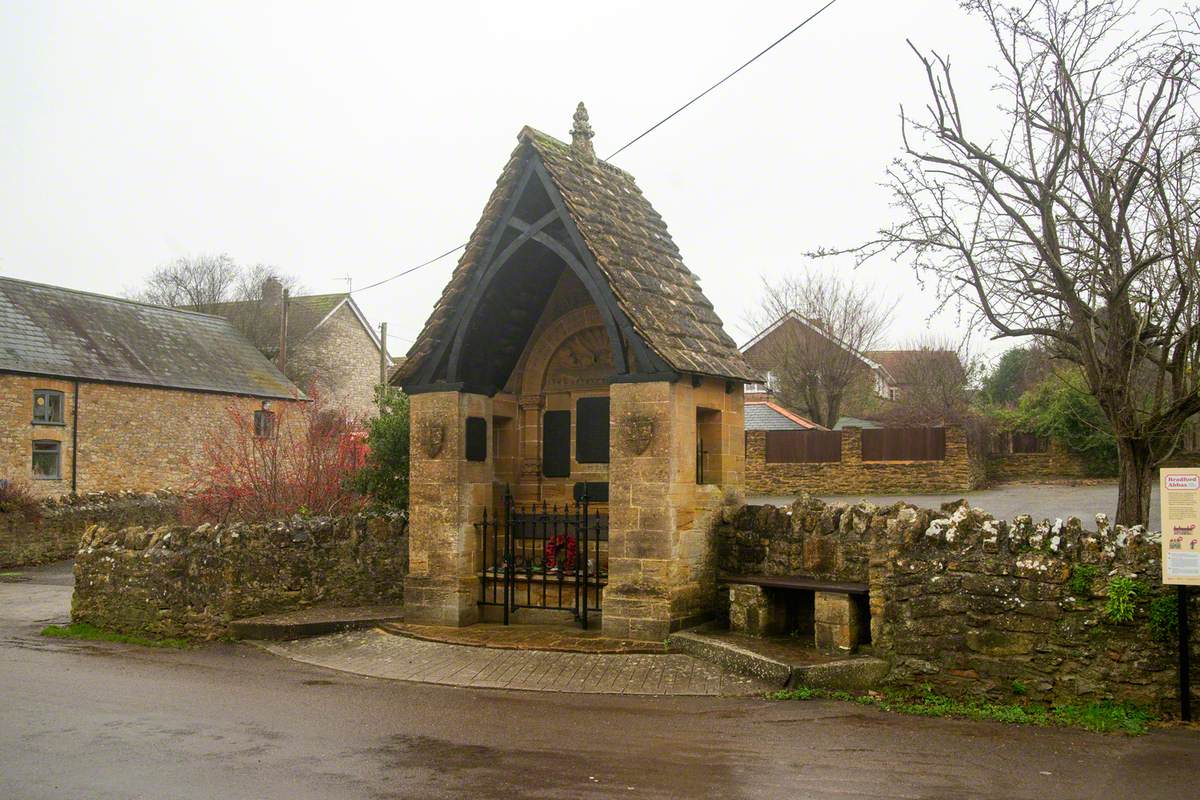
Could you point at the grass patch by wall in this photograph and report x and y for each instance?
(90, 633)
(1101, 716)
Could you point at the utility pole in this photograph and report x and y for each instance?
(383, 360)
(283, 322)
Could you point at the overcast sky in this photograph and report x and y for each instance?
(357, 139)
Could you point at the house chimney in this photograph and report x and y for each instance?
(272, 291)
(581, 135)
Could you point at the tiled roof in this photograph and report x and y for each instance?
(49, 330)
(630, 244)
(766, 416)
(901, 364)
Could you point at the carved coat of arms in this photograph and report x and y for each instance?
(432, 436)
(637, 432)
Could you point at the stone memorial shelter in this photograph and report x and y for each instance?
(571, 362)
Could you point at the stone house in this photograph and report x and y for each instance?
(330, 347)
(571, 356)
(104, 394)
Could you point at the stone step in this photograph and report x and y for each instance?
(314, 621)
(730, 656)
(851, 673)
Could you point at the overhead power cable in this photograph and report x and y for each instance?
(632, 141)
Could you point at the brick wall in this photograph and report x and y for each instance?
(177, 581)
(852, 475)
(129, 437)
(982, 607)
(53, 530)
(340, 360)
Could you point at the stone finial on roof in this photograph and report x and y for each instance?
(581, 134)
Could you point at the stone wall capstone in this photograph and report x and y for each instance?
(180, 581)
(971, 605)
(52, 531)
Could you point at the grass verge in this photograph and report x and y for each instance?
(1102, 716)
(90, 633)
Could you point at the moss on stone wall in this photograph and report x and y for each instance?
(54, 531)
(177, 581)
(975, 606)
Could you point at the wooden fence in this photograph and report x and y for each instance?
(804, 447)
(881, 444)
(904, 444)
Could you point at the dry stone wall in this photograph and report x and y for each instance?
(52, 530)
(852, 475)
(972, 605)
(180, 581)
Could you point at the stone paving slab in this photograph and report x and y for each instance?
(379, 654)
(566, 638)
(314, 621)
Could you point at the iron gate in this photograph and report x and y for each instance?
(544, 556)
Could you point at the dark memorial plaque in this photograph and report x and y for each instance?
(556, 444)
(591, 430)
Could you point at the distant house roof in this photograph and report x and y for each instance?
(901, 363)
(306, 313)
(854, 422)
(52, 331)
(763, 415)
(630, 244)
(796, 318)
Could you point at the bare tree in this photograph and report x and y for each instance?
(201, 283)
(259, 300)
(936, 378)
(822, 325)
(1077, 223)
(249, 297)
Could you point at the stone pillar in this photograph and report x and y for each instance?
(835, 623)
(447, 496)
(651, 502)
(529, 433)
(754, 612)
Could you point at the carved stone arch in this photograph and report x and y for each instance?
(572, 323)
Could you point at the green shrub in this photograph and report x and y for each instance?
(1122, 599)
(1062, 407)
(385, 477)
(1082, 576)
(1019, 688)
(1164, 618)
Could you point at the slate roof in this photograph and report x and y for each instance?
(52, 331)
(630, 244)
(305, 313)
(767, 416)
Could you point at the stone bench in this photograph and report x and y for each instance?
(759, 606)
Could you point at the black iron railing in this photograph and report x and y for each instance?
(544, 556)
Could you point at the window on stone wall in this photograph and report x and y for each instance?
(477, 436)
(47, 460)
(47, 407)
(264, 424)
(591, 430)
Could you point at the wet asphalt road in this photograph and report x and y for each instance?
(100, 721)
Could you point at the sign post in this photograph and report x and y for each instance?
(1179, 494)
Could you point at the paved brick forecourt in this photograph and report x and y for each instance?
(375, 653)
